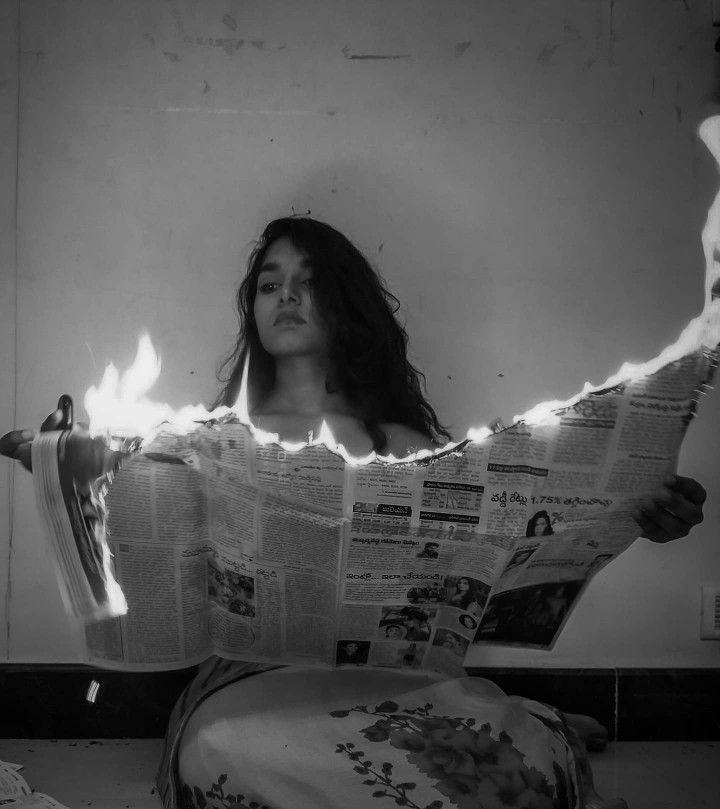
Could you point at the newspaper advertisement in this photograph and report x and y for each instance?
(222, 544)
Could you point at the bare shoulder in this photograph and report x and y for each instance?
(403, 440)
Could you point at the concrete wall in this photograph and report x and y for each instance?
(525, 174)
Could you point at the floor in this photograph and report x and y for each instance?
(118, 773)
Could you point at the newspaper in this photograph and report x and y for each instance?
(224, 544)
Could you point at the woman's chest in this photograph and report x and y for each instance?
(294, 428)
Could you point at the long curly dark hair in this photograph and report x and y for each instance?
(368, 347)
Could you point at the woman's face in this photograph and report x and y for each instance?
(540, 526)
(393, 632)
(287, 320)
(463, 585)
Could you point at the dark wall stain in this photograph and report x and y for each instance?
(546, 53)
(230, 22)
(373, 56)
(232, 44)
(571, 33)
(178, 20)
(170, 56)
(461, 47)
(228, 44)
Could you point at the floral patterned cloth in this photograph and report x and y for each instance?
(354, 738)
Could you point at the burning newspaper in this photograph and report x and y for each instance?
(222, 540)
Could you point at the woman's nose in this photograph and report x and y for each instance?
(289, 293)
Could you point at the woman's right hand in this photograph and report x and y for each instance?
(89, 457)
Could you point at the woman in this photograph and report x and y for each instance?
(323, 344)
(318, 326)
(465, 596)
(539, 525)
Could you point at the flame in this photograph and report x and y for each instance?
(117, 604)
(120, 407)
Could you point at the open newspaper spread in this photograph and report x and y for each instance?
(216, 540)
(225, 545)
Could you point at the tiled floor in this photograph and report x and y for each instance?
(660, 775)
(118, 773)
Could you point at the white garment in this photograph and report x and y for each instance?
(275, 740)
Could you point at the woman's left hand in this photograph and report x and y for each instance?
(673, 510)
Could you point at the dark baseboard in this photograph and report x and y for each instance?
(50, 701)
(634, 704)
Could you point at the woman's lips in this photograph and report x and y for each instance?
(288, 318)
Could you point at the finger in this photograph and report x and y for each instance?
(10, 442)
(651, 530)
(676, 504)
(689, 487)
(65, 405)
(52, 422)
(663, 525)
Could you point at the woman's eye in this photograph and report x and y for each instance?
(308, 282)
(267, 287)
